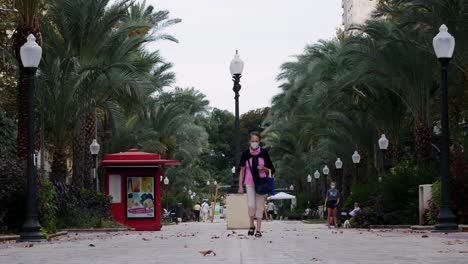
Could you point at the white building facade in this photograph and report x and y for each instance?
(356, 12)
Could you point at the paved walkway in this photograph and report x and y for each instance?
(283, 242)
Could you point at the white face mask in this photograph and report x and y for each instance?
(254, 145)
(333, 186)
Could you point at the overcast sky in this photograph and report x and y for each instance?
(267, 33)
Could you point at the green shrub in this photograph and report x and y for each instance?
(47, 207)
(394, 200)
(436, 194)
(81, 208)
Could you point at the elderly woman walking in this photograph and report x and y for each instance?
(255, 168)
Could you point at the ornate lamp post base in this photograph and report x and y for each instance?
(446, 221)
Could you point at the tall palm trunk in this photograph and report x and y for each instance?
(59, 163)
(82, 159)
(19, 39)
(422, 137)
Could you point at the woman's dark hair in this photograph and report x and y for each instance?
(255, 133)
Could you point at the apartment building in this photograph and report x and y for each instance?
(356, 12)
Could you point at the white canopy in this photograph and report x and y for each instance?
(282, 196)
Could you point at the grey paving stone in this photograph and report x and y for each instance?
(283, 242)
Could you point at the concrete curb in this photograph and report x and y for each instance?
(60, 233)
(17, 237)
(314, 223)
(389, 226)
(419, 227)
(90, 230)
(9, 237)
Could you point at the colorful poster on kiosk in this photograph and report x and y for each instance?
(140, 197)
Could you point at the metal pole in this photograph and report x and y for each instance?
(356, 175)
(236, 89)
(446, 217)
(31, 225)
(316, 192)
(167, 202)
(42, 132)
(308, 194)
(94, 172)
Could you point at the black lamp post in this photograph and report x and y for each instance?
(94, 149)
(30, 54)
(317, 177)
(236, 67)
(383, 145)
(356, 159)
(309, 181)
(444, 45)
(166, 182)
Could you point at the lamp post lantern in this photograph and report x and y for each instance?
(166, 182)
(94, 149)
(30, 54)
(309, 181)
(383, 145)
(236, 67)
(317, 177)
(339, 173)
(444, 45)
(356, 160)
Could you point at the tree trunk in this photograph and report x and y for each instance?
(19, 38)
(82, 159)
(59, 163)
(422, 137)
(107, 134)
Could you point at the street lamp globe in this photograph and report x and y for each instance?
(309, 178)
(383, 142)
(291, 188)
(356, 157)
(94, 147)
(30, 53)
(237, 65)
(215, 183)
(190, 192)
(233, 170)
(338, 164)
(443, 43)
(161, 178)
(317, 175)
(326, 170)
(166, 181)
(208, 182)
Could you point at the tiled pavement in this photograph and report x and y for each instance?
(283, 242)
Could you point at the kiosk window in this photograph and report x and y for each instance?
(115, 188)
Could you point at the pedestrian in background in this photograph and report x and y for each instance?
(196, 210)
(331, 202)
(205, 208)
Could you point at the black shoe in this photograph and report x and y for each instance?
(251, 231)
(258, 234)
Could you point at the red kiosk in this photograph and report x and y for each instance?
(132, 178)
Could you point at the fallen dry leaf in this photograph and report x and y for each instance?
(214, 237)
(29, 245)
(315, 259)
(464, 251)
(145, 239)
(91, 245)
(424, 236)
(208, 252)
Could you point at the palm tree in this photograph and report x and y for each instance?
(109, 72)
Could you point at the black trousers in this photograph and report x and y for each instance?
(197, 215)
